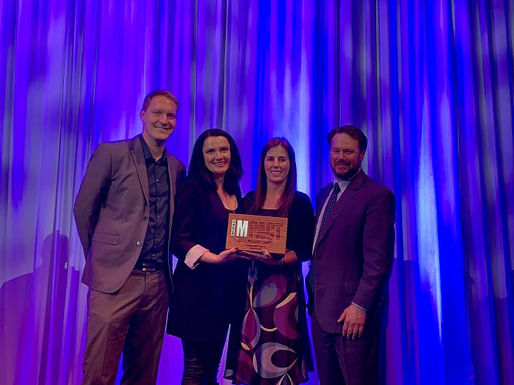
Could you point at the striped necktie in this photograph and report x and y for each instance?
(328, 209)
(332, 200)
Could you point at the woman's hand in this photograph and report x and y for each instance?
(289, 257)
(268, 259)
(223, 257)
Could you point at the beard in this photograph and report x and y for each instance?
(352, 170)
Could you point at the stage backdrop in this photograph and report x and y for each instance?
(431, 83)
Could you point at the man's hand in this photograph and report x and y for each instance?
(353, 320)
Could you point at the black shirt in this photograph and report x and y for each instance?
(155, 247)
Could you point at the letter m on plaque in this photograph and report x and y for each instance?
(241, 228)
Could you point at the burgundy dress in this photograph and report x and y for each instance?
(274, 345)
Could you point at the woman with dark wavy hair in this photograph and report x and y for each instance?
(208, 283)
(274, 346)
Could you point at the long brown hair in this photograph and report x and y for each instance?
(262, 183)
(198, 170)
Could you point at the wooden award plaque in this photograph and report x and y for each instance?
(257, 232)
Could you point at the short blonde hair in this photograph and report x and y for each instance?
(151, 95)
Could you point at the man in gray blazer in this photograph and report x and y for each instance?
(124, 212)
(352, 260)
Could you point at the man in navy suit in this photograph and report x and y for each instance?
(352, 260)
(124, 212)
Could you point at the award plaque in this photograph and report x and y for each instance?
(256, 232)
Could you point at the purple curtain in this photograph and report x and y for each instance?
(431, 83)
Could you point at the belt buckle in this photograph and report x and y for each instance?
(149, 269)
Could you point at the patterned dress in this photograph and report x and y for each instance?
(274, 346)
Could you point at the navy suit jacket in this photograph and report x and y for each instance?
(353, 255)
(112, 211)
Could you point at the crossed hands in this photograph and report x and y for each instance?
(353, 320)
(231, 254)
(263, 256)
(268, 259)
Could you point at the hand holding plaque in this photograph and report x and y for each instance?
(262, 256)
(253, 233)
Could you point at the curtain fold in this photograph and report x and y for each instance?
(431, 84)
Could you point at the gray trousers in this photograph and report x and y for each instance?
(131, 321)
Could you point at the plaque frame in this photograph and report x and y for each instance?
(256, 232)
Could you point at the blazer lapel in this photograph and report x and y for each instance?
(172, 171)
(348, 195)
(136, 151)
(319, 203)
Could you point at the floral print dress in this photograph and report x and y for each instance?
(274, 346)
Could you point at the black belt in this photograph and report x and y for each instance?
(149, 267)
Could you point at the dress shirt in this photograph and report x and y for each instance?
(342, 185)
(155, 246)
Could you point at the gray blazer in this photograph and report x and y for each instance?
(112, 210)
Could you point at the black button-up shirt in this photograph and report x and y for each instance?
(155, 246)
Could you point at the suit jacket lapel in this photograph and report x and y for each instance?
(136, 151)
(319, 203)
(172, 170)
(349, 193)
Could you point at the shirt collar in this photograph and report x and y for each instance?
(148, 155)
(344, 183)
